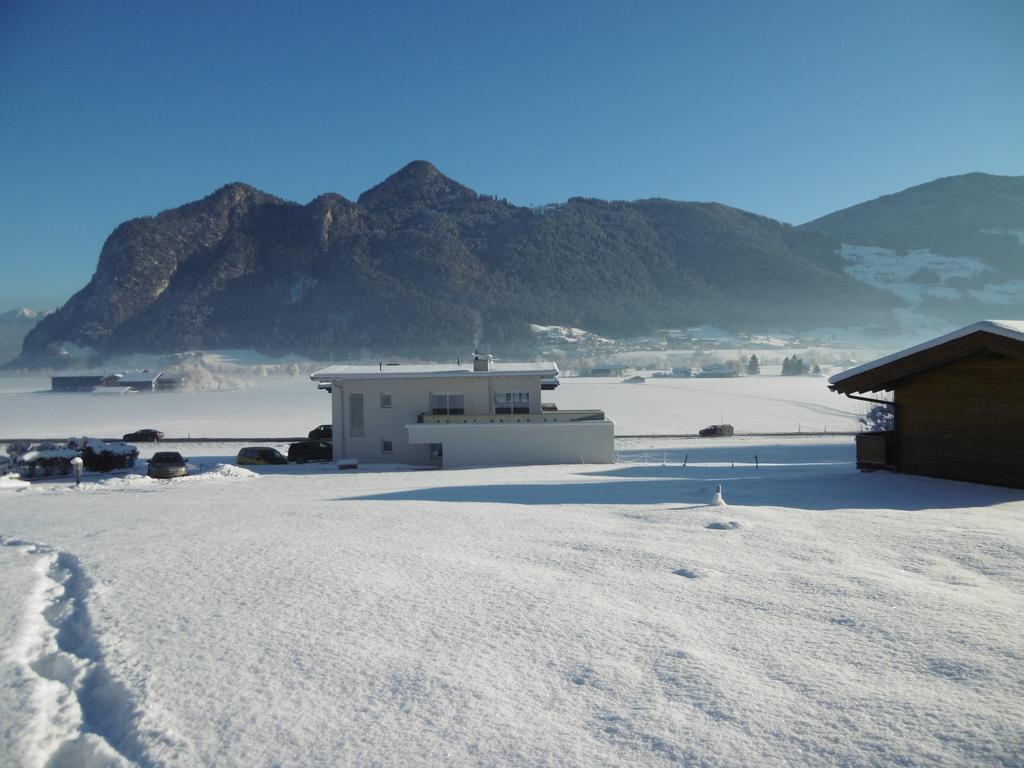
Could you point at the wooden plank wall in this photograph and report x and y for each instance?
(964, 421)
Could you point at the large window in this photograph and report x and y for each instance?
(447, 405)
(356, 427)
(511, 402)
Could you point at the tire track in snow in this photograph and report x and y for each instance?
(84, 716)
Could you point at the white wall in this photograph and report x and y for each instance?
(409, 398)
(574, 442)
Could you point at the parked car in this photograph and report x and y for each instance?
(260, 455)
(717, 430)
(144, 436)
(310, 450)
(167, 464)
(323, 432)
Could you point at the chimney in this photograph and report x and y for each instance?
(481, 362)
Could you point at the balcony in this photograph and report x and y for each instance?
(549, 417)
(876, 450)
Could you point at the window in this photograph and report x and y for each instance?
(511, 402)
(385, 399)
(447, 405)
(386, 447)
(356, 428)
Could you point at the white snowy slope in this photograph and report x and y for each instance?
(279, 406)
(568, 615)
(889, 270)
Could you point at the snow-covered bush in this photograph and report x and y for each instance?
(44, 459)
(878, 419)
(100, 456)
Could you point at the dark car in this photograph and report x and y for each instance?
(310, 450)
(717, 430)
(260, 455)
(323, 432)
(167, 464)
(144, 436)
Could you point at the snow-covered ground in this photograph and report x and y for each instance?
(282, 406)
(566, 615)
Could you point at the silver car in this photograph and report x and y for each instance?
(167, 464)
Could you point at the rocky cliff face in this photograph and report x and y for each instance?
(422, 265)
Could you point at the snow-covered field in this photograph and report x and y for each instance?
(281, 406)
(566, 615)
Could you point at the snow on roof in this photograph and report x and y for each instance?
(1011, 329)
(432, 370)
(140, 377)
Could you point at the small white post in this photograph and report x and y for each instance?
(717, 500)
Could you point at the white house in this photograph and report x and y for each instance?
(459, 415)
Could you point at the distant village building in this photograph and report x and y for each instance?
(83, 382)
(717, 371)
(613, 371)
(480, 413)
(140, 381)
(958, 404)
(137, 381)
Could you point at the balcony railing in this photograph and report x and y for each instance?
(551, 417)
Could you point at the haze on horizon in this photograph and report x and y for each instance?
(793, 110)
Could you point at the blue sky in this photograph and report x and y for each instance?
(111, 110)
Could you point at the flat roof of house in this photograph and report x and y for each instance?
(432, 371)
(1010, 329)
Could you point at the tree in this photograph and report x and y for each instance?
(794, 366)
(753, 366)
(879, 419)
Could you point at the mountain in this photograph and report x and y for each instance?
(422, 265)
(953, 247)
(14, 326)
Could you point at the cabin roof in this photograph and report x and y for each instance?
(881, 374)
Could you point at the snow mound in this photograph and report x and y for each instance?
(11, 482)
(117, 483)
(222, 472)
(722, 525)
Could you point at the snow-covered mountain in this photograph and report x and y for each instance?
(953, 248)
(14, 326)
(421, 265)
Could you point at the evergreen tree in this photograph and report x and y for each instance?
(794, 366)
(753, 366)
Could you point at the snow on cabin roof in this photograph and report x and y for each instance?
(1011, 329)
(432, 371)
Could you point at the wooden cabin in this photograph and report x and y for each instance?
(958, 403)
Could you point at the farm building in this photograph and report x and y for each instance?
(83, 382)
(605, 371)
(459, 415)
(958, 402)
